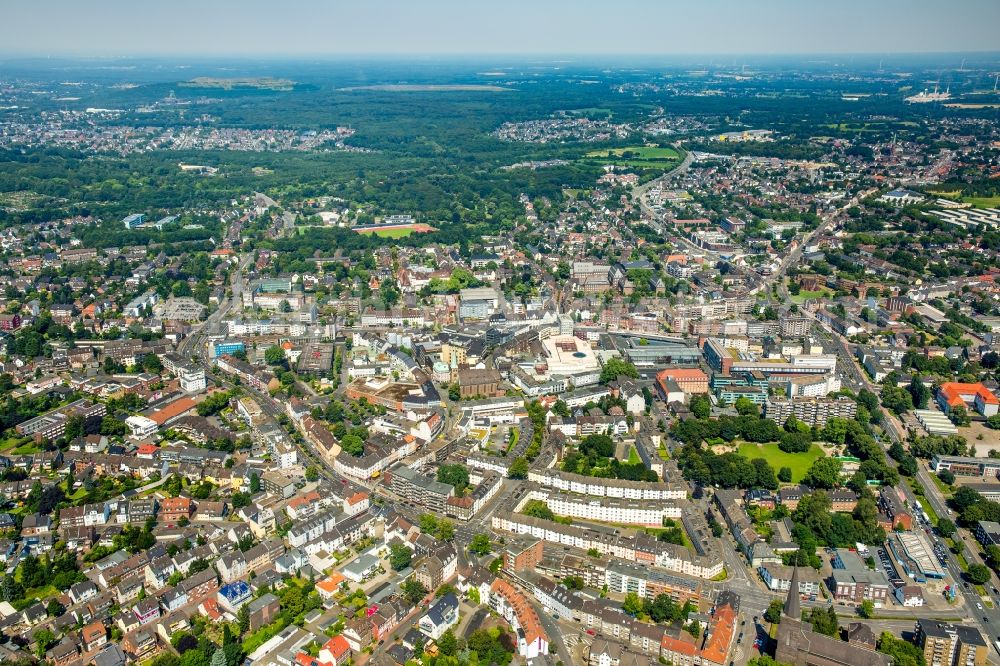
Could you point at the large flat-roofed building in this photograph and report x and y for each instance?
(967, 466)
(407, 482)
(691, 381)
(812, 411)
(988, 533)
(568, 355)
(316, 357)
(795, 326)
(852, 580)
(51, 425)
(989, 491)
(946, 644)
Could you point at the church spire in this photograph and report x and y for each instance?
(792, 608)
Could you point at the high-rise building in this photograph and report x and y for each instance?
(947, 644)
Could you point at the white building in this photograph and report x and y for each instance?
(141, 426)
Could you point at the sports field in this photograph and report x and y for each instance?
(799, 463)
(396, 230)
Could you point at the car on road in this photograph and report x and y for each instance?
(978, 605)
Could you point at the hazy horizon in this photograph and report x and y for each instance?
(451, 28)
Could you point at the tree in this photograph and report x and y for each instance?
(978, 574)
(896, 399)
(243, 616)
(903, 653)
(413, 590)
(867, 609)
(773, 612)
(448, 644)
(538, 509)
(946, 476)
(824, 621)
(445, 530)
(454, 475)
(454, 392)
(766, 660)
(480, 544)
(824, 473)
(312, 473)
(254, 483)
(353, 445)
(617, 367)
(919, 393)
(54, 608)
(274, 355)
(765, 474)
(218, 658)
(633, 604)
(745, 406)
(518, 469)
(44, 639)
(785, 475)
(399, 557)
(960, 416)
(701, 406)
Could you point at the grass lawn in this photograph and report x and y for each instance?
(640, 157)
(633, 456)
(655, 531)
(803, 296)
(945, 489)
(663, 452)
(978, 202)
(799, 463)
(515, 435)
(983, 202)
(41, 593)
(931, 513)
(639, 152)
(963, 564)
(393, 233)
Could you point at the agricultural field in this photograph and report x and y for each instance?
(977, 202)
(799, 463)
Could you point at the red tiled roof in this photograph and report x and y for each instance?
(953, 392)
(175, 408)
(526, 615)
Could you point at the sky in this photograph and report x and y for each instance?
(510, 27)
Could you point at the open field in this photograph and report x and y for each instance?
(799, 463)
(803, 296)
(639, 157)
(977, 202)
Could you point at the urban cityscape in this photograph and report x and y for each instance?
(626, 358)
